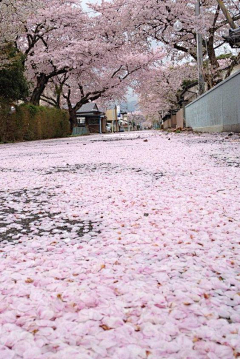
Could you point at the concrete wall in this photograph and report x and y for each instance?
(170, 122)
(218, 109)
(173, 121)
(180, 119)
(167, 124)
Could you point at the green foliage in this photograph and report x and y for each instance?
(32, 109)
(187, 83)
(31, 122)
(224, 56)
(13, 84)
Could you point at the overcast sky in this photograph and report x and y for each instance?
(84, 2)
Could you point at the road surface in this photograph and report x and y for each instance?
(123, 246)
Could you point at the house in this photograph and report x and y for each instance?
(90, 119)
(124, 123)
(112, 119)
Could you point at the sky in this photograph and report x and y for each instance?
(84, 3)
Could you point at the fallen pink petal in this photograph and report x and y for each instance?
(121, 248)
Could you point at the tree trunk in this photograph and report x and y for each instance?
(211, 53)
(73, 111)
(72, 118)
(42, 81)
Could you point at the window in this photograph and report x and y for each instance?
(81, 121)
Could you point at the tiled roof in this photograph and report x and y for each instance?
(88, 107)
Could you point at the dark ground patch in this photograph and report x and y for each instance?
(25, 213)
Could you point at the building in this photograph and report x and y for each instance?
(112, 119)
(90, 120)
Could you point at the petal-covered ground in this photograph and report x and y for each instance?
(120, 247)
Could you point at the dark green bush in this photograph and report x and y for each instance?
(31, 122)
(13, 84)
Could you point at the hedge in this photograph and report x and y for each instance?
(31, 122)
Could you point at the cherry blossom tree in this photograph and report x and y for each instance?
(81, 58)
(13, 18)
(107, 79)
(156, 20)
(137, 119)
(7, 31)
(49, 41)
(160, 90)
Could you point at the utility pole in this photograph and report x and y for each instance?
(226, 14)
(201, 85)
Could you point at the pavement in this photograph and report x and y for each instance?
(120, 246)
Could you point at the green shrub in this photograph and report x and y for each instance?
(13, 84)
(31, 122)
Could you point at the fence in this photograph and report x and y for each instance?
(218, 109)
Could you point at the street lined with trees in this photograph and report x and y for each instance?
(83, 57)
(72, 57)
(121, 245)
